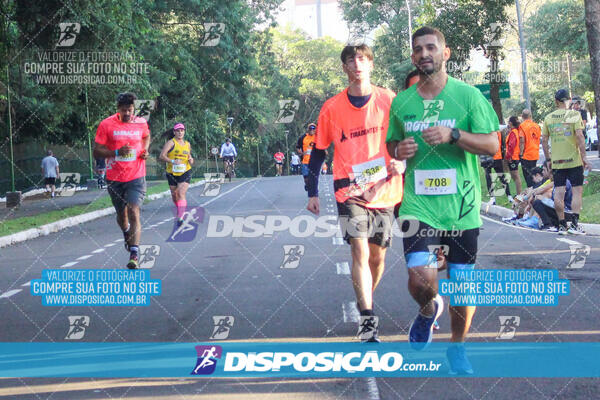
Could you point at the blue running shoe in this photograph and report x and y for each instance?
(531, 222)
(420, 332)
(459, 363)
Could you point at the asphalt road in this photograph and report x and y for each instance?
(243, 277)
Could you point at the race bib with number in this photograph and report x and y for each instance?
(370, 171)
(130, 156)
(435, 181)
(179, 168)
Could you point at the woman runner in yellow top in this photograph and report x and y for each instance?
(177, 154)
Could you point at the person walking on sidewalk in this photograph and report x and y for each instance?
(50, 171)
(124, 139)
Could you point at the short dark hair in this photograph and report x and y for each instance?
(126, 99)
(514, 121)
(428, 30)
(536, 171)
(352, 50)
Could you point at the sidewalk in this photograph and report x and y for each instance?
(36, 206)
(41, 203)
(497, 211)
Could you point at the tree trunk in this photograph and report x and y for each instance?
(592, 22)
(495, 81)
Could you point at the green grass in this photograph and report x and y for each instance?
(11, 226)
(590, 212)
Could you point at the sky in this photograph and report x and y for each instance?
(302, 14)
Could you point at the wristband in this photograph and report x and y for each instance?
(116, 152)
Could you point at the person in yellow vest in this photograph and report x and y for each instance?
(176, 153)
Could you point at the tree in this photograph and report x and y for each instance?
(474, 24)
(558, 28)
(592, 21)
(388, 20)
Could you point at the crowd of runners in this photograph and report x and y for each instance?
(410, 158)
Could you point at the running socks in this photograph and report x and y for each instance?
(366, 313)
(134, 249)
(181, 206)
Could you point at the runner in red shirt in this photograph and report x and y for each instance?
(279, 156)
(123, 139)
(367, 181)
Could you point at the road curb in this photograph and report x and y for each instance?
(56, 226)
(488, 209)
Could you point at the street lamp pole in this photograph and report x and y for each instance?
(87, 113)
(523, 57)
(409, 25)
(206, 138)
(12, 156)
(287, 151)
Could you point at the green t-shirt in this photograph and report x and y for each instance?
(442, 186)
(561, 126)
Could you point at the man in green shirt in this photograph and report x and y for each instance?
(564, 129)
(439, 126)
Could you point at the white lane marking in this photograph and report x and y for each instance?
(109, 245)
(27, 284)
(342, 268)
(98, 251)
(84, 257)
(372, 389)
(69, 264)
(350, 312)
(165, 220)
(118, 240)
(224, 193)
(338, 240)
(10, 293)
(569, 241)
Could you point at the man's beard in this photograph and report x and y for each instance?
(430, 70)
(125, 118)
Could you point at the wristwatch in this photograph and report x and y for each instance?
(454, 136)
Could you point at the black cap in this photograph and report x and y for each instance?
(312, 126)
(562, 95)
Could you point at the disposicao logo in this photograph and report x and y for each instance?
(207, 359)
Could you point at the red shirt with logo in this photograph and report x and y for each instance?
(279, 156)
(115, 134)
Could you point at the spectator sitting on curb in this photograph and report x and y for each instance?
(544, 207)
(542, 188)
